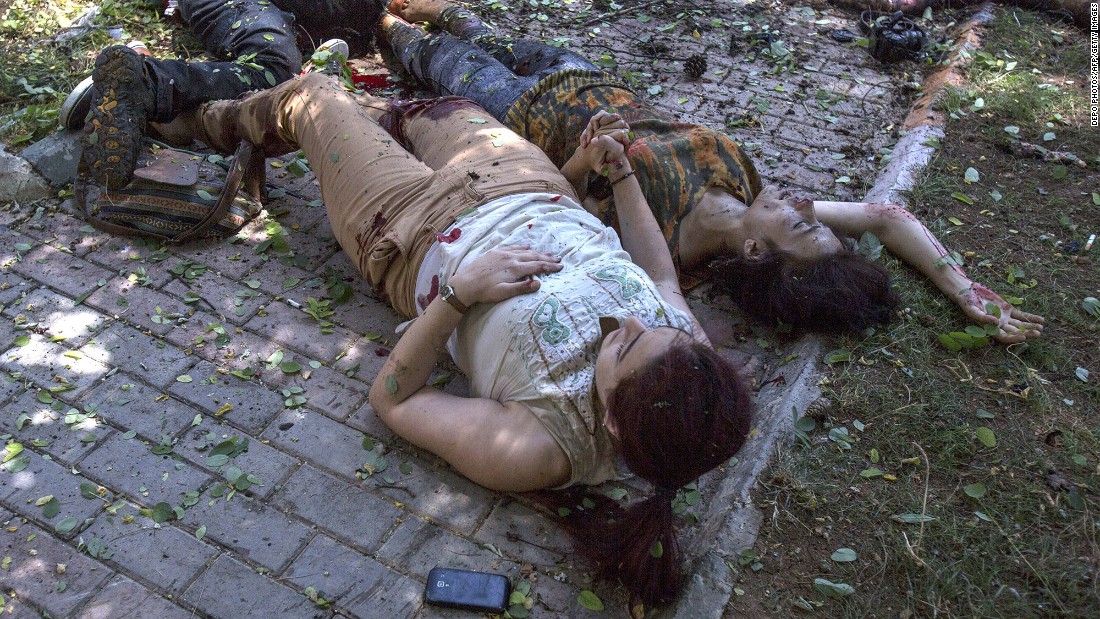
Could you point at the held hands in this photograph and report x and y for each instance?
(502, 273)
(603, 143)
(983, 305)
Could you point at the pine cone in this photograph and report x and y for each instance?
(695, 66)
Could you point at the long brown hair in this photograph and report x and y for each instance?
(837, 293)
(681, 416)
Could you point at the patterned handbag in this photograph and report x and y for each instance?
(178, 196)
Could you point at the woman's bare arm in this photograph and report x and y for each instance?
(499, 445)
(906, 237)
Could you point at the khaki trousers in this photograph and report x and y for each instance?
(387, 199)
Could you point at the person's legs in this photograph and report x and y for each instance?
(130, 90)
(452, 66)
(524, 57)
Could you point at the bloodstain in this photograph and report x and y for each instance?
(423, 300)
(450, 237)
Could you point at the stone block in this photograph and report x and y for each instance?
(135, 258)
(58, 316)
(137, 305)
(298, 330)
(228, 588)
(270, 465)
(61, 271)
(525, 535)
(163, 555)
(18, 181)
(13, 287)
(419, 545)
(50, 364)
(255, 531)
(319, 440)
(127, 402)
(253, 405)
(231, 300)
(122, 597)
(33, 576)
(127, 466)
(150, 358)
(345, 510)
(354, 581)
(55, 156)
(325, 390)
(44, 428)
(19, 491)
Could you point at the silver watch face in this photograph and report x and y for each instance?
(446, 292)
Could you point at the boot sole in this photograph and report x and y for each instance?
(113, 135)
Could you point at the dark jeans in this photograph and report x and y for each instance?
(261, 38)
(469, 60)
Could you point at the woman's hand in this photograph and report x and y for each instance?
(606, 124)
(984, 306)
(502, 273)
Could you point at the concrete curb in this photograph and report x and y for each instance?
(733, 522)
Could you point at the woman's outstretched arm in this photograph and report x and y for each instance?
(499, 445)
(907, 238)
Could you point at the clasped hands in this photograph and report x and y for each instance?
(603, 144)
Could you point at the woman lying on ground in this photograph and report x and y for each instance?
(780, 259)
(455, 225)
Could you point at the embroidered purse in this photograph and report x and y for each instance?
(178, 196)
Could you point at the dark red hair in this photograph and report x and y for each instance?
(837, 293)
(681, 416)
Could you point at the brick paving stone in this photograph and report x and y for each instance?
(17, 609)
(319, 440)
(128, 466)
(353, 581)
(19, 491)
(60, 271)
(327, 391)
(33, 573)
(129, 256)
(163, 555)
(254, 405)
(136, 305)
(126, 402)
(301, 332)
(52, 365)
(229, 299)
(366, 421)
(229, 588)
(270, 465)
(10, 386)
(12, 287)
(364, 314)
(297, 215)
(45, 428)
(144, 356)
(244, 349)
(433, 489)
(366, 358)
(559, 599)
(12, 213)
(255, 531)
(278, 279)
(58, 315)
(419, 545)
(122, 597)
(345, 510)
(63, 229)
(521, 532)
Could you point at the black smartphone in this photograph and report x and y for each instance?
(467, 590)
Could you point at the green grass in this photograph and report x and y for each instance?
(1028, 546)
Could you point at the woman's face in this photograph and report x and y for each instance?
(627, 350)
(774, 221)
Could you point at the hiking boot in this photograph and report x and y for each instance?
(74, 111)
(122, 100)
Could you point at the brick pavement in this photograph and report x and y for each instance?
(118, 363)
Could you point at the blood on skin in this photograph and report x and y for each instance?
(900, 213)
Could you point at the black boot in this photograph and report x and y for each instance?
(122, 100)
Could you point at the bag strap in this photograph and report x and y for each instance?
(248, 165)
(243, 163)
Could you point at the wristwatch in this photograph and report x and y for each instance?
(448, 294)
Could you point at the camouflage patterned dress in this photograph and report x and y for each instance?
(676, 163)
